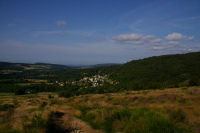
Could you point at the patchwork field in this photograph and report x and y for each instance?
(173, 110)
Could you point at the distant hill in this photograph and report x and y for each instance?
(26, 66)
(47, 66)
(106, 64)
(96, 65)
(159, 72)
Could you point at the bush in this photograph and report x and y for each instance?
(43, 104)
(178, 115)
(54, 101)
(150, 121)
(50, 96)
(139, 120)
(65, 93)
(20, 91)
(8, 131)
(6, 107)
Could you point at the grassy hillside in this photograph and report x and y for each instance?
(160, 72)
(174, 110)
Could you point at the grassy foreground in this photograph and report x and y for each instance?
(173, 110)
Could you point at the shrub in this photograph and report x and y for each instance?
(8, 131)
(184, 88)
(150, 121)
(20, 91)
(50, 96)
(66, 94)
(191, 82)
(54, 101)
(140, 120)
(43, 104)
(192, 91)
(9, 108)
(6, 107)
(178, 115)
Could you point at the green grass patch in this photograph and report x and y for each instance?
(184, 88)
(9, 131)
(55, 101)
(32, 110)
(6, 94)
(140, 120)
(6, 107)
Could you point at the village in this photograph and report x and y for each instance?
(93, 81)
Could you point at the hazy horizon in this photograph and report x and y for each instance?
(82, 65)
(96, 32)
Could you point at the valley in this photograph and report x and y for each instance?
(157, 94)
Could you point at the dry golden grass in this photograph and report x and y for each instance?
(37, 80)
(27, 106)
(171, 99)
(9, 71)
(33, 67)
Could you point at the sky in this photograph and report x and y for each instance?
(86, 32)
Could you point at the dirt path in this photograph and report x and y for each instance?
(55, 123)
(63, 121)
(77, 124)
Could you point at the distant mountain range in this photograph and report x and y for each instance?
(26, 66)
(96, 65)
(45, 66)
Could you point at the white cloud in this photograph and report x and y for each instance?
(159, 47)
(136, 39)
(127, 37)
(190, 38)
(175, 47)
(60, 22)
(166, 46)
(178, 36)
(173, 43)
(174, 36)
(148, 37)
(158, 40)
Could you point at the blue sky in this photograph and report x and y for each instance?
(77, 32)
